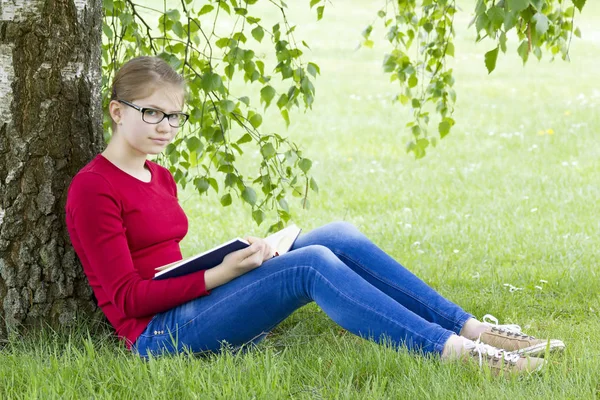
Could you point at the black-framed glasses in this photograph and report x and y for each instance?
(154, 116)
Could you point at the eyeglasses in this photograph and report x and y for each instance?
(154, 116)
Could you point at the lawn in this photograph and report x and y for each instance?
(499, 218)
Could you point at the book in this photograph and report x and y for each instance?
(281, 242)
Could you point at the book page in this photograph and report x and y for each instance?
(283, 240)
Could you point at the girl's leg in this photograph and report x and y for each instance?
(385, 273)
(253, 304)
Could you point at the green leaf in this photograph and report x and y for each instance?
(541, 23)
(255, 120)
(490, 59)
(108, 5)
(482, 23)
(193, 143)
(537, 4)
(267, 94)
(579, 4)
(305, 164)
(261, 66)
(174, 15)
(225, 7)
(422, 143)
(211, 81)
(193, 158)
(226, 200)
(258, 216)
(479, 7)
(249, 195)
(313, 185)
(258, 33)
(577, 33)
(502, 41)
(206, 9)
(496, 15)
(214, 184)
(284, 204)
(223, 42)
(229, 71)
(416, 130)
(230, 180)
(107, 30)
(227, 105)
(413, 81)
(450, 49)
(313, 2)
(201, 184)
(283, 100)
(445, 126)
(268, 151)
(313, 69)
(286, 117)
(510, 20)
(517, 5)
(244, 139)
(320, 12)
(174, 157)
(523, 50)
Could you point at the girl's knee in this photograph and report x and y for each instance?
(322, 258)
(319, 253)
(342, 228)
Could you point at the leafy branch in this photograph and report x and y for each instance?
(222, 125)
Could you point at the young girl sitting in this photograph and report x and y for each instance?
(124, 221)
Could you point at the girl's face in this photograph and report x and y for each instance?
(140, 137)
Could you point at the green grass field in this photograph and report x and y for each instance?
(508, 199)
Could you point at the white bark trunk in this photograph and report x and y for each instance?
(50, 126)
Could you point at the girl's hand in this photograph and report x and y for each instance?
(267, 252)
(238, 263)
(241, 261)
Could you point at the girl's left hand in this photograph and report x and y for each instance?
(267, 251)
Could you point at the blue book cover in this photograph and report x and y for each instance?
(206, 260)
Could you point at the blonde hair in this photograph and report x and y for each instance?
(141, 76)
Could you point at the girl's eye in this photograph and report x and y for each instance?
(151, 113)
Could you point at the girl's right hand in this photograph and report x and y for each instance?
(236, 264)
(245, 260)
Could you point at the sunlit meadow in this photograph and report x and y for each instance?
(500, 217)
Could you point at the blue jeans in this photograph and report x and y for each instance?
(357, 285)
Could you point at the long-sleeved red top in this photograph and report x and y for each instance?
(122, 229)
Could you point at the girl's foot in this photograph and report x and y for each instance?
(502, 362)
(499, 361)
(511, 338)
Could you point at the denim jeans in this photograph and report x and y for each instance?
(355, 283)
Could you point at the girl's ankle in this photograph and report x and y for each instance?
(472, 329)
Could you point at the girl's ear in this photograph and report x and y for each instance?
(115, 111)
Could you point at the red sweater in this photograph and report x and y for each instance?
(123, 228)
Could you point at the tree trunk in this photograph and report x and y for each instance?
(50, 127)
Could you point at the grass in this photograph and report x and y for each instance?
(497, 203)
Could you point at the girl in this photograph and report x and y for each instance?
(124, 220)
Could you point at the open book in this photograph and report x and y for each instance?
(281, 242)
